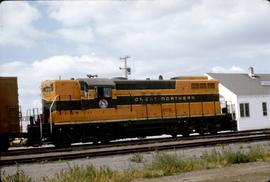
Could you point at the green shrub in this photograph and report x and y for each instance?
(236, 157)
(240, 156)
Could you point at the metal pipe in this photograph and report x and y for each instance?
(51, 112)
(40, 128)
(130, 101)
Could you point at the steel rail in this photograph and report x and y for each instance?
(129, 142)
(67, 155)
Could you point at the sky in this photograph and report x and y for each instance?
(44, 40)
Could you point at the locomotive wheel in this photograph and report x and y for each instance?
(173, 131)
(213, 129)
(174, 135)
(185, 133)
(105, 141)
(59, 144)
(201, 131)
(185, 129)
(61, 141)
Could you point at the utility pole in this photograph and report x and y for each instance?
(125, 68)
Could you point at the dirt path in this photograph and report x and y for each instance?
(249, 172)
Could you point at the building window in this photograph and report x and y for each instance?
(264, 108)
(244, 109)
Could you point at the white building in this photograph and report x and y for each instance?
(247, 97)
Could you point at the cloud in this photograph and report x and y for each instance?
(170, 25)
(233, 69)
(71, 13)
(16, 24)
(170, 38)
(83, 35)
(30, 75)
(74, 13)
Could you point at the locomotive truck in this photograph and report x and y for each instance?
(99, 110)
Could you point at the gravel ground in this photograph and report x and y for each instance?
(117, 162)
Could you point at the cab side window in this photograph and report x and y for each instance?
(103, 92)
(107, 92)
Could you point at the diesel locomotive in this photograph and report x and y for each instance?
(99, 110)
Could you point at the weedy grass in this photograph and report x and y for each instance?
(90, 173)
(137, 157)
(19, 176)
(163, 164)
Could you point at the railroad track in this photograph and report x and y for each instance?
(49, 149)
(50, 154)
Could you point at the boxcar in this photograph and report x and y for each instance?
(9, 111)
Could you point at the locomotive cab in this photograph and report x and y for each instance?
(100, 91)
(100, 87)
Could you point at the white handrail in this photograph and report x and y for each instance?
(51, 112)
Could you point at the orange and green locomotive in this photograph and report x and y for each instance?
(100, 110)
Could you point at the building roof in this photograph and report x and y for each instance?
(243, 84)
